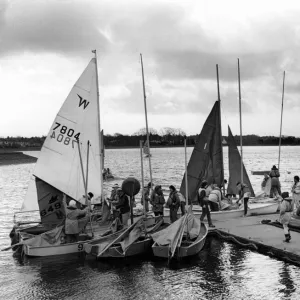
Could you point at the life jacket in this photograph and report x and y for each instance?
(289, 206)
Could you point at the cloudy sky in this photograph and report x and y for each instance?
(45, 46)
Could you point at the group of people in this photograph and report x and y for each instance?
(157, 200)
(209, 196)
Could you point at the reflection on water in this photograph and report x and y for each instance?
(220, 271)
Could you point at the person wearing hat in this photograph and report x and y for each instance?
(157, 201)
(286, 209)
(203, 194)
(275, 190)
(76, 220)
(146, 193)
(85, 203)
(173, 203)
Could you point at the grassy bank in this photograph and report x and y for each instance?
(15, 157)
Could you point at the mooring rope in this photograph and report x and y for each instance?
(233, 239)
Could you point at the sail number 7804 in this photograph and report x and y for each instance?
(65, 135)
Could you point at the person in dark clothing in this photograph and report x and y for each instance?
(174, 203)
(157, 201)
(275, 183)
(122, 204)
(203, 194)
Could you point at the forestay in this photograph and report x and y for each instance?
(58, 164)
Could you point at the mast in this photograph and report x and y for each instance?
(240, 108)
(142, 173)
(85, 184)
(186, 179)
(145, 106)
(87, 166)
(281, 119)
(99, 129)
(219, 100)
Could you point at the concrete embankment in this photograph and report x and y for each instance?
(249, 232)
(15, 157)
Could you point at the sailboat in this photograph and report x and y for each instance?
(58, 171)
(136, 240)
(185, 237)
(206, 163)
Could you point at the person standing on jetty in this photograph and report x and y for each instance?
(173, 203)
(146, 193)
(244, 195)
(296, 194)
(203, 194)
(157, 200)
(275, 191)
(286, 209)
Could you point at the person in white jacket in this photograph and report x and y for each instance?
(296, 195)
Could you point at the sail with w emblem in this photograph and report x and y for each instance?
(58, 165)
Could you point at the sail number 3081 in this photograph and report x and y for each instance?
(65, 135)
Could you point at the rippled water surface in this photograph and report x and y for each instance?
(220, 271)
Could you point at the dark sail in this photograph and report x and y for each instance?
(234, 162)
(52, 210)
(206, 161)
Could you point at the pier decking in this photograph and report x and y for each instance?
(266, 239)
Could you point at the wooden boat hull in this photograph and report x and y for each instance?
(184, 250)
(53, 250)
(62, 249)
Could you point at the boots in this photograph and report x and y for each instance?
(287, 238)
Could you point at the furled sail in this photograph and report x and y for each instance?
(146, 148)
(234, 162)
(206, 161)
(58, 164)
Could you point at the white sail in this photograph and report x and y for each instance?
(31, 200)
(59, 162)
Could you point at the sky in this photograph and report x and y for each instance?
(45, 46)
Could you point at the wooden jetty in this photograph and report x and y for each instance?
(249, 232)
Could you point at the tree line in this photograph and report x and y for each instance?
(165, 137)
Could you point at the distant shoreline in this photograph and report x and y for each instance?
(11, 150)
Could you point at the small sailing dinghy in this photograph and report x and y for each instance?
(136, 240)
(185, 237)
(59, 170)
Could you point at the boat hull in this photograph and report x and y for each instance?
(53, 250)
(262, 208)
(215, 215)
(184, 250)
(137, 248)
